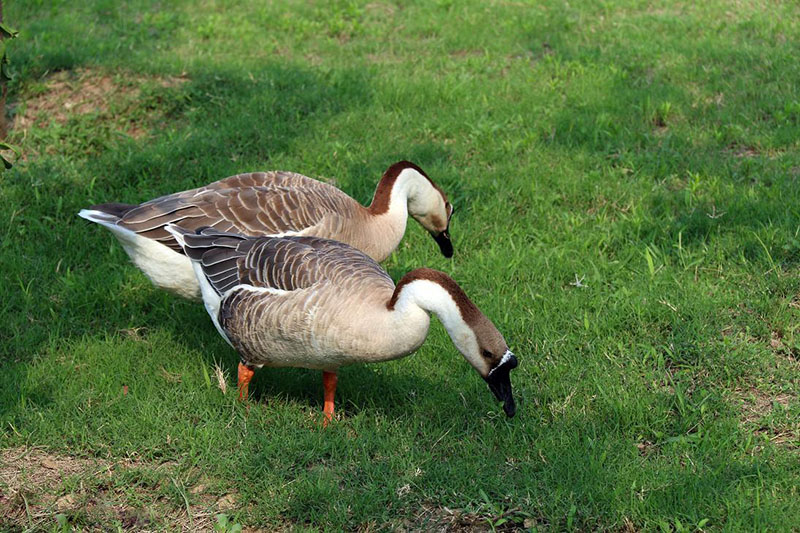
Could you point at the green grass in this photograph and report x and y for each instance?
(648, 149)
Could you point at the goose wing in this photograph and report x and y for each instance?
(258, 203)
(280, 263)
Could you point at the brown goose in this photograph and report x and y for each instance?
(275, 203)
(321, 304)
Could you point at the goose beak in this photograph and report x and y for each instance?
(443, 240)
(499, 380)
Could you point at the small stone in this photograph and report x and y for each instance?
(49, 464)
(226, 502)
(65, 502)
(198, 489)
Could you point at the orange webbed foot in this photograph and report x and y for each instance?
(329, 380)
(245, 375)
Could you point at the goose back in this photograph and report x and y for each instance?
(256, 203)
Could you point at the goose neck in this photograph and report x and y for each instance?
(434, 292)
(395, 191)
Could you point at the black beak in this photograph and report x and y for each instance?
(499, 380)
(443, 240)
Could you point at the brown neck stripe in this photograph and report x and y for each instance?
(469, 312)
(383, 193)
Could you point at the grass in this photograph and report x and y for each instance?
(625, 176)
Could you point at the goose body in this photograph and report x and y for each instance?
(275, 203)
(321, 304)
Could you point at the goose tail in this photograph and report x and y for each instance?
(106, 214)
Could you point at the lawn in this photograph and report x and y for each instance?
(625, 176)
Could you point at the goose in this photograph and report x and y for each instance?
(275, 203)
(321, 304)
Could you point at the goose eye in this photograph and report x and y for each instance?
(487, 354)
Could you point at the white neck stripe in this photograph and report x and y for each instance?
(506, 356)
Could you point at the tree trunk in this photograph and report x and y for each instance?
(3, 125)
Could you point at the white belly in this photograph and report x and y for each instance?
(166, 268)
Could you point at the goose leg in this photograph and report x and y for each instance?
(245, 375)
(329, 383)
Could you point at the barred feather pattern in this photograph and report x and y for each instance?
(257, 203)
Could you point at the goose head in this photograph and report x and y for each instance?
(484, 347)
(499, 360)
(472, 333)
(426, 202)
(429, 207)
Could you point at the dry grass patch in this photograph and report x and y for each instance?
(97, 494)
(788, 353)
(769, 414)
(757, 403)
(79, 102)
(767, 400)
(432, 517)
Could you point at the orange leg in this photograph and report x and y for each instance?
(245, 375)
(329, 383)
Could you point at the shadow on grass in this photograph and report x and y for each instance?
(229, 118)
(94, 369)
(360, 388)
(75, 280)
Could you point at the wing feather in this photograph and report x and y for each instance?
(281, 263)
(259, 203)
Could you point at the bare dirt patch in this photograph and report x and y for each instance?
(380, 9)
(460, 54)
(743, 150)
(65, 95)
(437, 518)
(96, 494)
(781, 349)
(757, 404)
(768, 414)
(767, 399)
